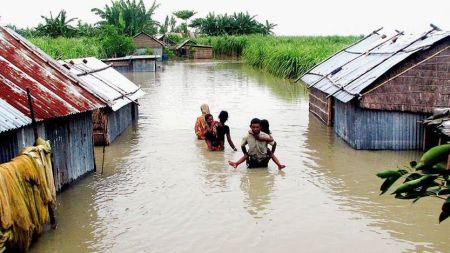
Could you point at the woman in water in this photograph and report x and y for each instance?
(200, 123)
(216, 132)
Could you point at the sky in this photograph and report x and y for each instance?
(313, 17)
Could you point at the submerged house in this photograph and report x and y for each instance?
(143, 41)
(166, 40)
(62, 108)
(374, 92)
(115, 89)
(192, 50)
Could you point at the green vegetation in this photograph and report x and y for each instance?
(66, 48)
(107, 43)
(130, 17)
(57, 26)
(236, 24)
(427, 178)
(286, 57)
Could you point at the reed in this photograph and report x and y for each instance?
(282, 56)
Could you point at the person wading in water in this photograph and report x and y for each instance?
(257, 141)
(200, 123)
(223, 130)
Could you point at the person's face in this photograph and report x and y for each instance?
(209, 120)
(256, 128)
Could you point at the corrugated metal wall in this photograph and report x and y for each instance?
(71, 142)
(373, 129)
(73, 148)
(119, 120)
(12, 142)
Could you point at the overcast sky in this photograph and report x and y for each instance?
(313, 17)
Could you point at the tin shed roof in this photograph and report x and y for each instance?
(11, 118)
(351, 70)
(55, 92)
(105, 82)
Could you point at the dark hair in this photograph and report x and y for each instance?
(255, 121)
(207, 115)
(223, 116)
(265, 126)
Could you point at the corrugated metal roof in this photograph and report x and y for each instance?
(55, 92)
(350, 71)
(105, 82)
(11, 118)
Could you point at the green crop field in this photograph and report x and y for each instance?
(286, 57)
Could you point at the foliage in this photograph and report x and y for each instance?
(85, 30)
(169, 53)
(25, 32)
(286, 57)
(67, 48)
(184, 14)
(129, 16)
(427, 178)
(236, 24)
(113, 43)
(56, 26)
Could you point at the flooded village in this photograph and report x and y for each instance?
(100, 150)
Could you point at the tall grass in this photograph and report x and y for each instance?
(67, 48)
(286, 57)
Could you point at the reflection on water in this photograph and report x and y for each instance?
(162, 191)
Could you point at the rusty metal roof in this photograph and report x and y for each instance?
(55, 91)
(347, 73)
(104, 82)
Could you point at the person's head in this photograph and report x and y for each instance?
(265, 126)
(223, 116)
(204, 108)
(209, 118)
(255, 125)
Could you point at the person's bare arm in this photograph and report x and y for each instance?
(261, 138)
(231, 142)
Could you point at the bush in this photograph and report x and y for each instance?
(113, 43)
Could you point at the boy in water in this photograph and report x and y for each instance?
(258, 154)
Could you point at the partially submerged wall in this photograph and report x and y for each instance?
(378, 130)
(321, 106)
(71, 142)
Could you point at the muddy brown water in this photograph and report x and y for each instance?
(162, 191)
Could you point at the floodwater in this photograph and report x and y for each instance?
(162, 191)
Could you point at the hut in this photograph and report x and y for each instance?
(115, 89)
(374, 92)
(134, 63)
(62, 108)
(143, 41)
(192, 50)
(166, 40)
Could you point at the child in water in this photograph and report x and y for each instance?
(265, 129)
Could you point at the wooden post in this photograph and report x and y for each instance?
(448, 162)
(33, 119)
(330, 111)
(425, 138)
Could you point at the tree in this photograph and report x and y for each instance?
(114, 43)
(185, 15)
(57, 26)
(130, 17)
(236, 24)
(427, 178)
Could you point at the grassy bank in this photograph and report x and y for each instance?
(286, 57)
(66, 48)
